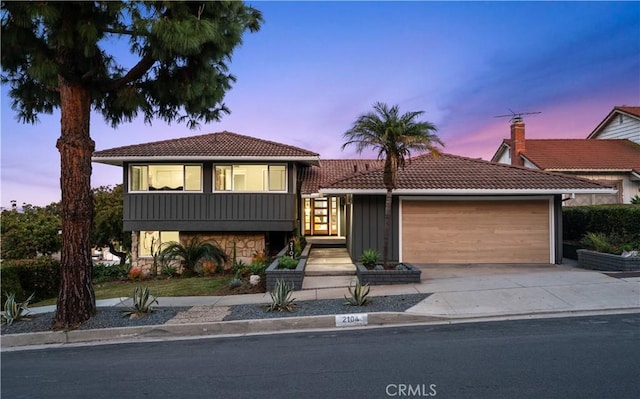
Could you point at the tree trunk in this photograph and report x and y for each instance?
(76, 299)
(121, 255)
(387, 228)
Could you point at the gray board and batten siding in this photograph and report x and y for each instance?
(209, 211)
(366, 224)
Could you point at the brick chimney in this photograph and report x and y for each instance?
(517, 141)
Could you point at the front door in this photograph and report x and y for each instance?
(321, 216)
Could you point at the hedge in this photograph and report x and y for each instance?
(25, 276)
(608, 219)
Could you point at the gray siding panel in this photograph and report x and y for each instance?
(213, 212)
(367, 226)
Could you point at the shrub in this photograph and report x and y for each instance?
(39, 275)
(235, 282)
(169, 270)
(286, 262)
(11, 281)
(192, 252)
(358, 295)
(240, 268)
(258, 268)
(611, 243)
(135, 273)
(608, 219)
(635, 200)
(103, 272)
(281, 299)
(369, 257)
(260, 257)
(142, 302)
(13, 310)
(209, 268)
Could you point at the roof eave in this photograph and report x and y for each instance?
(472, 191)
(599, 170)
(119, 161)
(594, 134)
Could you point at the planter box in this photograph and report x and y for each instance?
(292, 277)
(600, 261)
(386, 277)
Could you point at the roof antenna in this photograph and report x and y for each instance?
(516, 116)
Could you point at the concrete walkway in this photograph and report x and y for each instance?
(457, 293)
(328, 268)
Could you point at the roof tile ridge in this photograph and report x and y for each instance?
(158, 142)
(273, 142)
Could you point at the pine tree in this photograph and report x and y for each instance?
(55, 55)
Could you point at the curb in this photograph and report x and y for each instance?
(263, 326)
(236, 327)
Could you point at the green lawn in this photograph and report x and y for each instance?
(192, 286)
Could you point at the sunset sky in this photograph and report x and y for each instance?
(315, 66)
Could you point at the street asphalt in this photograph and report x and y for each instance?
(459, 293)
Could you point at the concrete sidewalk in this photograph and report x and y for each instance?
(458, 293)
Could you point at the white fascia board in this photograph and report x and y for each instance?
(635, 176)
(475, 191)
(120, 160)
(600, 170)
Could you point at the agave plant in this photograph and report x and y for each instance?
(14, 310)
(358, 295)
(142, 302)
(192, 252)
(281, 299)
(369, 257)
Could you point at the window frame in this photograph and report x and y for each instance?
(184, 174)
(267, 177)
(141, 240)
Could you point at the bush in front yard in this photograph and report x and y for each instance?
(40, 276)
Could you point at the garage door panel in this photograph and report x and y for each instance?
(475, 231)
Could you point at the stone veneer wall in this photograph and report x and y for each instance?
(247, 244)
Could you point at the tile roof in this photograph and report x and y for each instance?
(331, 170)
(207, 146)
(450, 173)
(635, 111)
(583, 154)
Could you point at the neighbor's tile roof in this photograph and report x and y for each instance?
(451, 172)
(331, 170)
(208, 146)
(630, 110)
(583, 154)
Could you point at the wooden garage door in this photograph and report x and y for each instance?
(475, 231)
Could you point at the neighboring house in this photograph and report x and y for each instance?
(621, 123)
(254, 194)
(615, 162)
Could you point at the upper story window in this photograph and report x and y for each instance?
(250, 178)
(165, 178)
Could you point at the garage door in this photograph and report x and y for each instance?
(507, 231)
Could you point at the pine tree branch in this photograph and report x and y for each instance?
(134, 73)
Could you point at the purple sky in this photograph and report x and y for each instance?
(315, 66)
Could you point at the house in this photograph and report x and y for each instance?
(250, 194)
(622, 123)
(615, 162)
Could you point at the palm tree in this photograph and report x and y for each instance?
(394, 137)
(192, 252)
